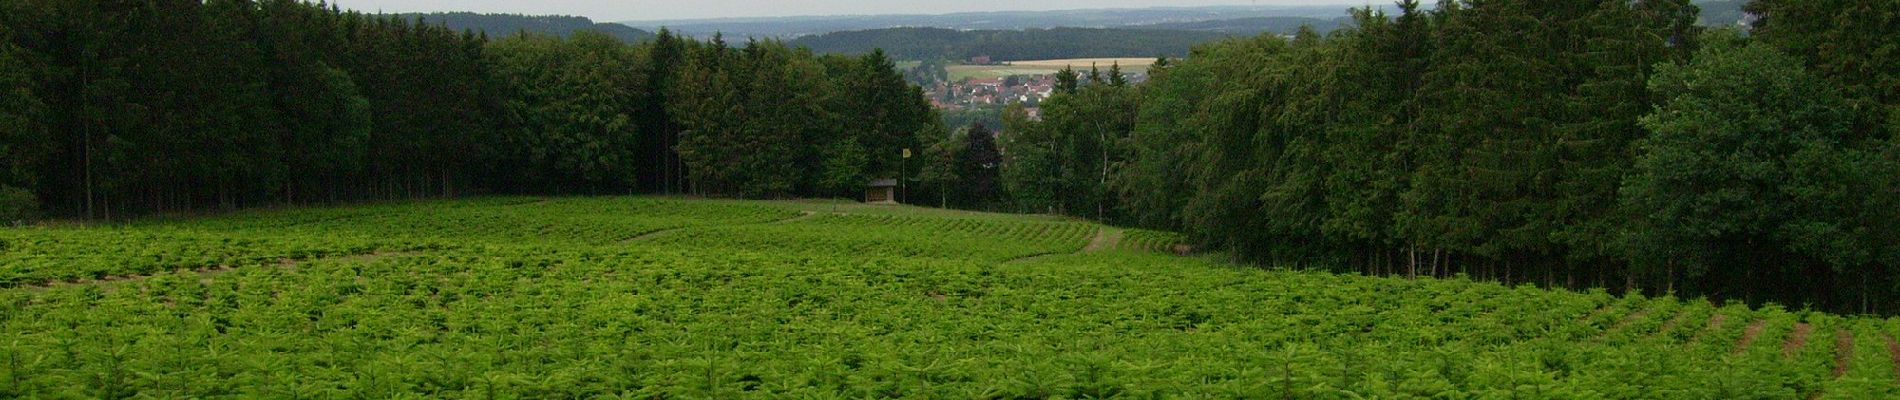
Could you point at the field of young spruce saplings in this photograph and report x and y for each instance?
(663, 298)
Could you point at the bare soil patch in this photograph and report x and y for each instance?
(1715, 325)
(1620, 324)
(1101, 241)
(1843, 352)
(1893, 348)
(1749, 335)
(802, 215)
(1797, 339)
(1104, 239)
(1670, 325)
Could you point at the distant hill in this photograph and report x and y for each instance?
(509, 24)
(790, 27)
(1227, 19)
(1010, 45)
(1035, 35)
(1252, 26)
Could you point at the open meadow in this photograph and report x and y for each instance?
(669, 298)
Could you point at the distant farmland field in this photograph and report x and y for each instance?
(960, 72)
(1044, 67)
(1128, 64)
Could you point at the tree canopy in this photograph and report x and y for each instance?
(1586, 143)
(117, 108)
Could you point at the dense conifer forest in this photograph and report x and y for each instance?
(510, 24)
(1569, 144)
(124, 108)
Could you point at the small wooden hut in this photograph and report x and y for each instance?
(881, 191)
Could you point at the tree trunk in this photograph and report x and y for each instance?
(1412, 270)
(85, 126)
(1671, 285)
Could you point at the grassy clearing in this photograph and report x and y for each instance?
(548, 298)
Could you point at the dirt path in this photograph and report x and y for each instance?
(651, 235)
(1843, 352)
(1893, 348)
(1715, 325)
(802, 215)
(1669, 326)
(1106, 238)
(1597, 312)
(1620, 324)
(1749, 335)
(1797, 339)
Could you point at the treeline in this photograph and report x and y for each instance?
(118, 108)
(510, 24)
(1574, 144)
(1251, 26)
(1009, 45)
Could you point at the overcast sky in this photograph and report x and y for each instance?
(634, 10)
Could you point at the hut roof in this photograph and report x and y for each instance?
(884, 183)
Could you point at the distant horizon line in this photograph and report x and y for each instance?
(1343, 5)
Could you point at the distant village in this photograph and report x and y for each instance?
(1029, 90)
(993, 93)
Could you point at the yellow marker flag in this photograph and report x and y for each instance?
(906, 152)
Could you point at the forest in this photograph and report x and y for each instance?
(510, 24)
(114, 109)
(1566, 144)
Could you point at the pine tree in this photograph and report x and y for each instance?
(978, 166)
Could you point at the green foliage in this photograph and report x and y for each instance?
(282, 101)
(1513, 140)
(844, 163)
(941, 173)
(18, 205)
(1030, 171)
(511, 24)
(572, 108)
(529, 297)
(977, 167)
(1742, 142)
(1850, 43)
(1082, 138)
(23, 133)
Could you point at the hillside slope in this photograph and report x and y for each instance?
(657, 297)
